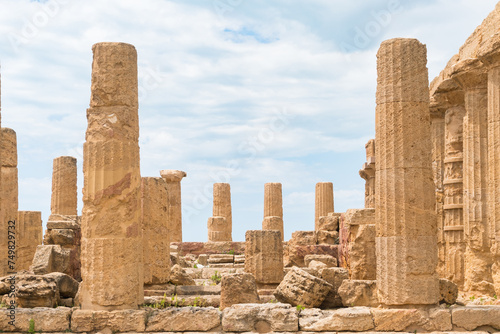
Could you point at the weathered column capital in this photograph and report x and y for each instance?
(172, 175)
(470, 74)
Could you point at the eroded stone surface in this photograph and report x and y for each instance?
(359, 293)
(410, 319)
(323, 202)
(334, 276)
(264, 255)
(261, 318)
(46, 319)
(183, 319)
(472, 317)
(115, 321)
(174, 178)
(238, 289)
(351, 319)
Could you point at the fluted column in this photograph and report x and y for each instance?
(264, 256)
(64, 187)
(112, 253)
(9, 196)
(221, 230)
(273, 207)
(323, 201)
(406, 240)
(30, 231)
(173, 179)
(368, 174)
(478, 260)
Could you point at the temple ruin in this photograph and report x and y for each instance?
(422, 255)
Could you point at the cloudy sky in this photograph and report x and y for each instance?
(239, 91)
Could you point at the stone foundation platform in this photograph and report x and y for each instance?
(271, 317)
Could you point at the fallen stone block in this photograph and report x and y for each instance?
(358, 293)
(45, 319)
(328, 223)
(448, 291)
(51, 258)
(329, 260)
(179, 277)
(238, 289)
(66, 285)
(36, 291)
(183, 319)
(275, 317)
(300, 288)
(116, 321)
(62, 237)
(295, 254)
(472, 317)
(334, 276)
(353, 319)
(327, 237)
(435, 319)
(316, 265)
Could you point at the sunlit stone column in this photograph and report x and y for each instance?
(156, 239)
(112, 252)
(64, 187)
(30, 235)
(323, 201)
(368, 174)
(174, 178)
(406, 240)
(8, 193)
(221, 208)
(478, 260)
(273, 207)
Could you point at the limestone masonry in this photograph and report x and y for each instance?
(422, 255)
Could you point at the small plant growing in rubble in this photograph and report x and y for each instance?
(300, 308)
(31, 328)
(216, 277)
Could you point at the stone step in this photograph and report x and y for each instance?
(197, 290)
(221, 265)
(181, 301)
(220, 258)
(239, 259)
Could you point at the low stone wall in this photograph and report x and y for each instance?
(271, 317)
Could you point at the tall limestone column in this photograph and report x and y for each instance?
(8, 193)
(156, 239)
(323, 201)
(112, 252)
(174, 178)
(221, 229)
(30, 231)
(273, 208)
(368, 174)
(472, 77)
(64, 187)
(494, 169)
(406, 239)
(453, 189)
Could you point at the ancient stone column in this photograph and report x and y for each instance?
(273, 207)
(64, 187)
(173, 178)
(156, 239)
(323, 201)
(112, 252)
(218, 229)
(368, 174)
(477, 232)
(30, 235)
(8, 190)
(453, 189)
(222, 208)
(264, 256)
(406, 240)
(494, 169)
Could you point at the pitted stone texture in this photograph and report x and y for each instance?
(46, 319)
(51, 258)
(473, 317)
(66, 285)
(448, 291)
(264, 255)
(334, 276)
(238, 289)
(174, 178)
(36, 291)
(119, 290)
(295, 254)
(273, 202)
(355, 319)
(273, 223)
(115, 321)
(183, 319)
(178, 276)
(300, 288)
(9, 148)
(156, 240)
(368, 174)
(323, 202)
(221, 258)
(328, 260)
(64, 186)
(328, 223)
(275, 317)
(114, 75)
(222, 208)
(218, 229)
(358, 293)
(29, 236)
(436, 319)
